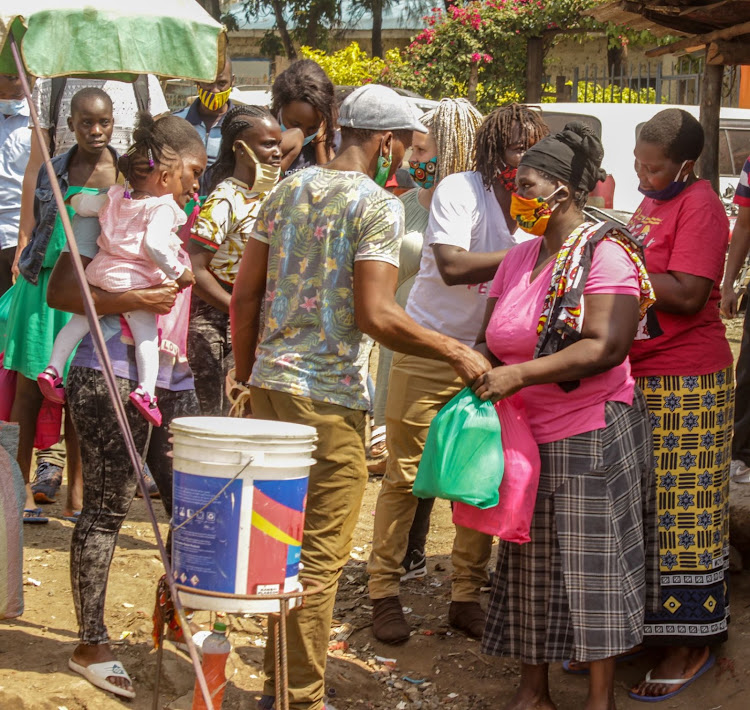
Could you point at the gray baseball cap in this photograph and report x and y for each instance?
(377, 108)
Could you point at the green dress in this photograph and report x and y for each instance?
(32, 325)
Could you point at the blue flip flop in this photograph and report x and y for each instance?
(683, 682)
(34, 516)
(72, 518)
(621, 658)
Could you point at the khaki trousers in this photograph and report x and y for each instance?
(334, 498)
(417, 391)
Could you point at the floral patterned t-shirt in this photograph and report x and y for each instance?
(318, 223)
(224, 225)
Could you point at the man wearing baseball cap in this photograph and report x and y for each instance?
(323, 261)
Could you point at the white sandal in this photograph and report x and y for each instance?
(97, 674)
(377, 443)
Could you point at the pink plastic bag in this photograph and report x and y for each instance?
(7, 390)
(510, 519)
(48, 425)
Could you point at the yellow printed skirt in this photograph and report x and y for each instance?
(692, 418)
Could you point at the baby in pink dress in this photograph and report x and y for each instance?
(138, 248)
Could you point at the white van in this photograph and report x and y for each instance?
(618, 125)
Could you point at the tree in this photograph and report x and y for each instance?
(306, 21)
(212, 7)
(375, 9)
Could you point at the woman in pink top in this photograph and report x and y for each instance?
(138, 249)
(688, 379)
(563, 312)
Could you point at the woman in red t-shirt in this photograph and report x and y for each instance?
(686, 374)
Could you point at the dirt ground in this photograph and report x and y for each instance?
(35, 648)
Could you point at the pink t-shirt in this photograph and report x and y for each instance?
(688, 233)
(512, 336)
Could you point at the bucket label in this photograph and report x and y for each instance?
(204, 549)
(276, 538)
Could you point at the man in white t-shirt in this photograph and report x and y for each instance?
(469, 232)
(52, 98)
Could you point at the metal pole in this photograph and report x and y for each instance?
(586, 85)
(658, 83)
(159, 660)
(103, 354)
(284, 666)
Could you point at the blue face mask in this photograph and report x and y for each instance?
(12, 107)
(424, 173)
(670, 191)
(306, 141)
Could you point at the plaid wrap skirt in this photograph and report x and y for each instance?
(581, 587)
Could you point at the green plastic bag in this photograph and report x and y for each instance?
(463, 454)
(5, 300)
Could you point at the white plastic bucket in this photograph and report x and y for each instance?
(246, 539)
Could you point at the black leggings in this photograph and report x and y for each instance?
(109, 483)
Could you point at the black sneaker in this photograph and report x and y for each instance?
(415, 564)
(47, 482)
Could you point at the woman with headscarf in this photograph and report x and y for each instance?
(469, 232)
(562, 314)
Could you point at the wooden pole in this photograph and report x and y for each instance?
(534, 69)
(471, 93)
(713, 75)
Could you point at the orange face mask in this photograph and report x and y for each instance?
(531, 215)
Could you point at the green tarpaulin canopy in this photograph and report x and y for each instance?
(114, 40)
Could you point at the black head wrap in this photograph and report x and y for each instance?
(573, 156)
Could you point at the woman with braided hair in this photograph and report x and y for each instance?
(506, 134)
(246, 169)
(469, 231)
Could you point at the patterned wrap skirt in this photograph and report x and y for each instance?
(580, 588)
(692, 419)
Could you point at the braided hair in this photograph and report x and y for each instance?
(453, 125)
(237, 120)
(496, 134)
(306, 81)
(156, 144)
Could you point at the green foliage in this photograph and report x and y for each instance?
(271, 45)
(613, 94)
(591, 92)
(351, 66)
(481, 42)
(308, 21)
(487, 37)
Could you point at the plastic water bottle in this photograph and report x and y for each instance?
(216, 650)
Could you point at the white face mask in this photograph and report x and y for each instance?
(266, 176)
(12, 107)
